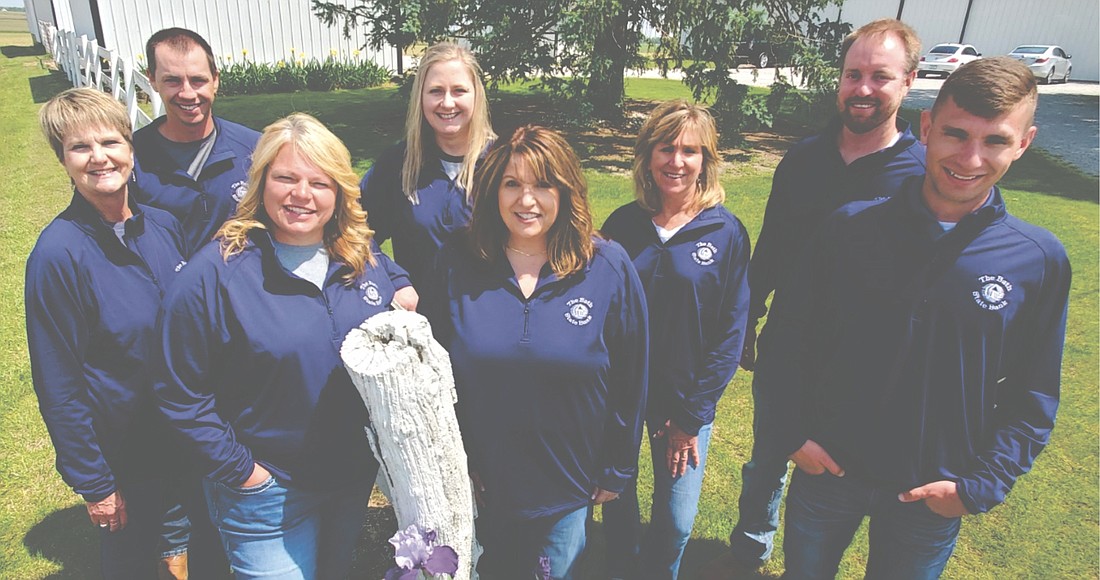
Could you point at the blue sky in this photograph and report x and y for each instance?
(9, 3)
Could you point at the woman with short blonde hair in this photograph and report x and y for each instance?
(94, 284)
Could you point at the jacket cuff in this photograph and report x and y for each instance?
(614, 480)
(97, 496)
(687, 422)
(974, 503)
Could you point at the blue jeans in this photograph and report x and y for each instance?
(205, 552)
(675, 503)
(906, 540)
(280, 532)
(513, 548)
(762, 482)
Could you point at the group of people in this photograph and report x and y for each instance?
(185, 315)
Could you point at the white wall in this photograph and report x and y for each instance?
(998, 26)
(30, 10)
(268, 30)
(995, 26)
(81, 13)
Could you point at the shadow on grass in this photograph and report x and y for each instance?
(697, 555)
(65, 537)
(1042, 173)
(45, 87)
(373, 553)
(18, 51)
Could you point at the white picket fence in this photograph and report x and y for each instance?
(89, 65)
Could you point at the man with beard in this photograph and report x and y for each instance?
(863, 154)
(189, 162)
(925, 345)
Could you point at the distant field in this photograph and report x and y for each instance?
(13, 22)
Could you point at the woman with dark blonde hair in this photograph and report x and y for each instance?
(546, 328)
(692, 255)
(419, 191)
(253, 379)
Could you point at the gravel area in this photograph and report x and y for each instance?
(1068, 119)
(1068, 116)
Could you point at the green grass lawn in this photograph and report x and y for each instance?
(1047, 529)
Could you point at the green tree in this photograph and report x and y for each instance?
(581, 49)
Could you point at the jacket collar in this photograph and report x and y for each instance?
(219, 153)
(431, 166)
(992, 211)
(708, 218)
(262, 240)
(502, 269)
(85, 216)
(906, 139)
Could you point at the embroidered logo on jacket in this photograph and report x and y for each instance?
(579, 312)
(371, 294)
(239, 189)
(993, 293)
(704, 253)
(181, 265)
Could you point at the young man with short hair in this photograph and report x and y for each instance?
(926, 336)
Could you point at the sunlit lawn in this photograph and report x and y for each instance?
(1047, 529)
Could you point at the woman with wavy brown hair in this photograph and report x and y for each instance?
(546, 327)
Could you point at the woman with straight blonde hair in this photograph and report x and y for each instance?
(419, 191)
(253, 379)
(692, 255)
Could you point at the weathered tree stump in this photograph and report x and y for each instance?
(405, 379)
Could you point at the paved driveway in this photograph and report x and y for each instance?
(1068, 119)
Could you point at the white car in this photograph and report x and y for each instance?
(944, 59)
(1048, 63)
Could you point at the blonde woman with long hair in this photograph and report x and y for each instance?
(253, 380)
(419, 191)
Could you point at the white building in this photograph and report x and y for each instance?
(269, 30)
(994, 26)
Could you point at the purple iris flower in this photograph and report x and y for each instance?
(543, 570)
(415, 551)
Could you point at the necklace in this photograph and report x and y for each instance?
(522, 253)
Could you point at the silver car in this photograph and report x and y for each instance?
(1048, 63)
(944, 59)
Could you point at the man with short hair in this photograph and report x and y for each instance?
(188, 161)
(863, 154)
(926, 343)
(195, 166)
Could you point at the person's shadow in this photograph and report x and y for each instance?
(67, 538)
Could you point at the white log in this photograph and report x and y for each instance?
(405, 379)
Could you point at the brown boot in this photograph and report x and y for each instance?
(173, 568)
